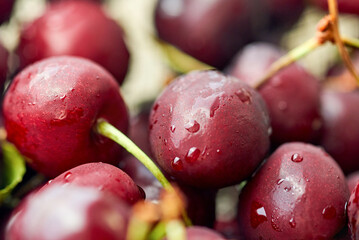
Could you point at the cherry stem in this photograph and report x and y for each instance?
(333, 10)
(300, 52)
(109, 131)
(292, 56)
(351, 42)
(106, 129)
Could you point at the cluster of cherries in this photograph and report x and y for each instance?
(291, 139)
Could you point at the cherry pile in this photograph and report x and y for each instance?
(287, 144)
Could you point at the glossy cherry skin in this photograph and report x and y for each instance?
(76, 28)
(299, 193)
(209, 130)
(105, 177)
(201, 233)
(292, 95)
(344, 6)
(211, 31)
(5, 9)
(64, 212)
(51, 110)
(353, 212)
(341, 131)
(3, 65)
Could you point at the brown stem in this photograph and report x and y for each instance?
(333, 10)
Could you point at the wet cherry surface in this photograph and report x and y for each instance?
(211, 31)
(105, 177)
(76, 28)
(50, 111)
(341, 132)
(221, 129)
(353, 180)
(63, 212)
(289, 199)
(292, 95)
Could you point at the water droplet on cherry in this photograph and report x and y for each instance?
(279, 182)
(173, 128)
(296, 157)
(292, 223)
(67, 176)
(155, 107)
(214, 107)
(258, 214)
(177, 164)
(192, 154)
(244, 96)
(192, 126)
(329, 212)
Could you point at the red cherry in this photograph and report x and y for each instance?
(287, 199)
(222, 117)
(76, 28)
(50, 111)
(63, 212)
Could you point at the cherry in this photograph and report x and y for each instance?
(5, 9)
(201, 233)
(344, 6)
(77, 28)
(105, 177)
(292, 95)
(299, 193)
(211, 31)
(50, 111)
(3, 65)
(353, 210)
(209, 130)
(341, 131)
(62, 212)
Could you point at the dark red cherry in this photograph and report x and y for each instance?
(292, 95)
(5, 9)
(353, 212)
(201, 233)
(344, 6)
(105, 177)
(211, 31)
(76, 28)
(209, 130)
(63, 212)
(51, 109)
(288, 199)
(341, 131)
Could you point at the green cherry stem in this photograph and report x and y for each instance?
(351, 42)
(109, 131)
(298, 53)
(106, 129)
